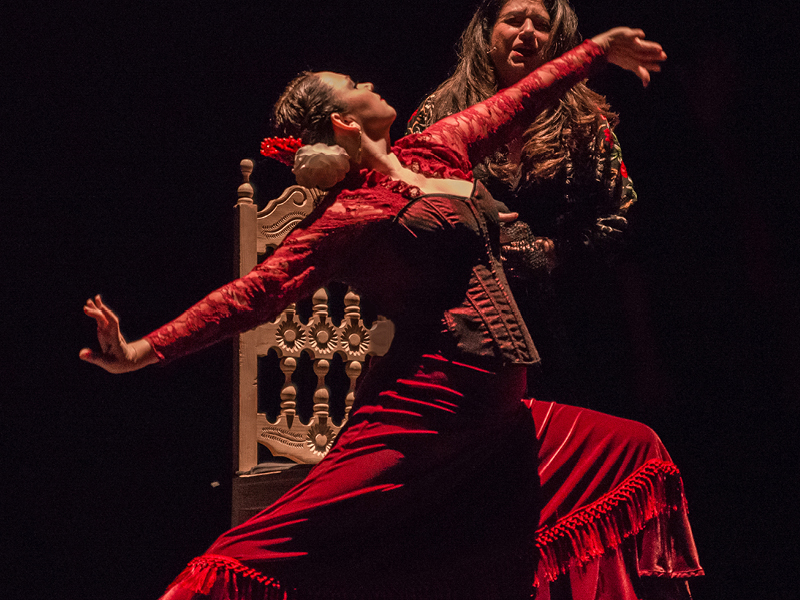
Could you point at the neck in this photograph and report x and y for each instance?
(375, 154)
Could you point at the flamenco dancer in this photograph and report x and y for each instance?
(406, 504)
(565, 179)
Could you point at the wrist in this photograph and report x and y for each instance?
(600, 41)
(142, 353)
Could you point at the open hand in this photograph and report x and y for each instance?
(116, 355)
(627, 48)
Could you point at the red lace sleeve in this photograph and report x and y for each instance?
(309, 258)
(474, 132)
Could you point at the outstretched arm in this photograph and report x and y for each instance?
(310, 257)
(476, 131)
(116, 355)
(243, 304)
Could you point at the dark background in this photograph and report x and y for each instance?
(122, 127)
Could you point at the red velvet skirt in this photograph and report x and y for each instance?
(613, 524)
(427, 493)
(445, 485)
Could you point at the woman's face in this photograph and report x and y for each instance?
(366, 107)
(519, 35)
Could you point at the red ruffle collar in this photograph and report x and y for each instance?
(431, 161)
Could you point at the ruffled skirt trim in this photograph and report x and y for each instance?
(648, 497)
(225, 578)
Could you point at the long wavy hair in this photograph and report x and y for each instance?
(564, 129)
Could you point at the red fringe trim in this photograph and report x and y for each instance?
(655, 489)
(228, 579)
(224, 578)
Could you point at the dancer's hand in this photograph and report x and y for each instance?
(627, 48)
(548, 248)
(116, 355)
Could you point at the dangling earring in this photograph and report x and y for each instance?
(358, 152)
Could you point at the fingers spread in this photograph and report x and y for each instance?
(109, 314)
(89, 356)
(91, 310)
(644, 75)
(100, 360)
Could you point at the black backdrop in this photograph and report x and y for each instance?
(123, 124)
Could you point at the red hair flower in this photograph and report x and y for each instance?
(282, 149)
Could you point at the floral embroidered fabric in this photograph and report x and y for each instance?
(585, 206)
(568, 296)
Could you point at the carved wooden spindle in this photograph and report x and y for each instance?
(290, 334)
(320, 302)
(289, 391)
(321, 394)
(246, 189)
(324, 335)
(353, 333)
(290, 311)
(353, 370)
(352, 305)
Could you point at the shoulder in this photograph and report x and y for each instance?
(344, 211)
(605, 134)
(428, 154)
(422, 118)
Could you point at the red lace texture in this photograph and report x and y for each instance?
(310, 257)
(313, 254)
(476, 131)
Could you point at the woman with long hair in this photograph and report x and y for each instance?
(428, 491)
(565, 179)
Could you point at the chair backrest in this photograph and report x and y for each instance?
(289, 338)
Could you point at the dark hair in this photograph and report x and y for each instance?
(304, 110)
(571, 125)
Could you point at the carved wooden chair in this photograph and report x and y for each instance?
(286, 354)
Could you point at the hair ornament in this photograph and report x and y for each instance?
(281, 149)
(320, 165)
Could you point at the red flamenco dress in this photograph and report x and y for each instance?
(431, 490)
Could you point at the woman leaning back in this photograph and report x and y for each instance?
(566, 181)
(428, 491)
